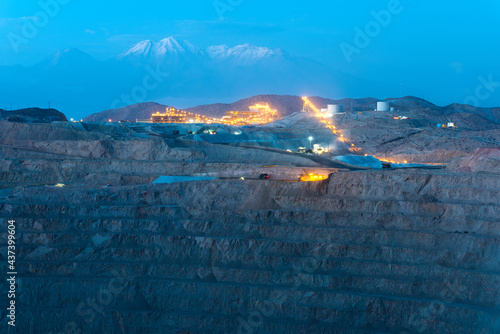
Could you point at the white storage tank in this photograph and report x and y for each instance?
(383, 106)
(335, 108)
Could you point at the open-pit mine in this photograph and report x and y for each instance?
(313, 223)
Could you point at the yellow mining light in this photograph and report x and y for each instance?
(259, 113)
(311, 177)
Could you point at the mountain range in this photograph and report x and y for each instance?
(168, 70)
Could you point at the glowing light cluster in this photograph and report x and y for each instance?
(329, 125)
(311, 177)
(173, 115)
(260, 113)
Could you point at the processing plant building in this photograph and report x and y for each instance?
(173, 115)
(257, 114)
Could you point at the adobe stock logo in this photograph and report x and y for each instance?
(363, 37)
(223, 6)
(139, 93)
(30, 28)
(484, 90)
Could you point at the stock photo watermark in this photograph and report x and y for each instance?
(291, 278)
(92, 307)
(364, 36)
(87, 309)
(484, 90)
(454, 291)
(31, 27)
(152, 80)
(11, 272)
(224, 6)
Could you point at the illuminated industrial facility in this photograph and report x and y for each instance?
(328, 123)
(173, 115)
(325, 119)
(258, 114)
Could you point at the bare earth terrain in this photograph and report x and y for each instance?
(363, 251)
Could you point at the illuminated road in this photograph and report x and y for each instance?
(328, 124)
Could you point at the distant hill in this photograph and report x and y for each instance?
(32, 115)
(289, 104)
(285, 104)
(129, 113)
(492, 114)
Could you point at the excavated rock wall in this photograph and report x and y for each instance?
(481, 160)
(362, 252)
(69, 153)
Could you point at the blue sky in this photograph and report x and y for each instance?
(445, 41)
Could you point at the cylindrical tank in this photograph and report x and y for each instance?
(393, 109)
(382, 106)
(335, 108)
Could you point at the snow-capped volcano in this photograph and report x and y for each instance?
(161, 49)
(247, 51)
(158, 51)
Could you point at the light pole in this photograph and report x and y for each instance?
(310, 142)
